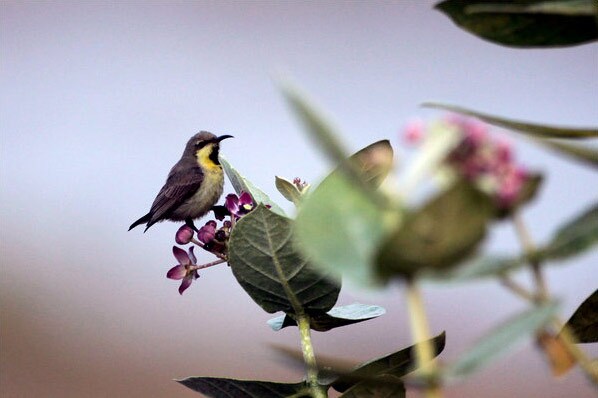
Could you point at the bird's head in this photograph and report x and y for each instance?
(205, 146)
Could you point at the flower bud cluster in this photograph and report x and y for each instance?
(479, 157)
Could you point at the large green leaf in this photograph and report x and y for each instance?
(339, 226)
(584, 321)
(335, 318)
(275, 275)
(525, 23)
(242, 184)
(533, 129)
(499, 340)
(575, 237)
(397, 364)
(215, 387)
(439, 235)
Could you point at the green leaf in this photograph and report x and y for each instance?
(584, 321)
(242, 184)
(558, 7)
(215, 387)
(336, 317)
(499, 340)
(478, 268)
(575, 237)
(338, 225)
(272, 272)
(397, 364)
(582, 153)
(530, 23)
(536, 130)
(439, 235)
(288, 190)
(386, 387)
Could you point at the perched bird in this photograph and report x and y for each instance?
(193, 186)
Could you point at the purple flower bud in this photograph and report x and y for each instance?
(184, 235)
(206, 233)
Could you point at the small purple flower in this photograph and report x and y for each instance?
(185, 270)
(206, 233)
(239, 206)
(184, 235)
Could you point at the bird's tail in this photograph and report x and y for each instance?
(142, 220)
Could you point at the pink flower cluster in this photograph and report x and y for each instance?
(480, 158)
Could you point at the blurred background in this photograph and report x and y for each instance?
(97, 101)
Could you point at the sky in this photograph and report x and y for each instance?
(97, 101)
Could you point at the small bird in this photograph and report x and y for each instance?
(193, 186)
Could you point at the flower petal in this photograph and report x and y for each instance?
(232, 203)
(185, 284)
(181, 255)
(192, 255)
(177, 272)
(245, 199)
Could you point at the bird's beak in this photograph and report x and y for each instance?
(223, 137)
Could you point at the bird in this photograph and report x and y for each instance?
(193, 186)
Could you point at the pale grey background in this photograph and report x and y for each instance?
(97, 100)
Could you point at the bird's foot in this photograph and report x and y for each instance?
(190, 224)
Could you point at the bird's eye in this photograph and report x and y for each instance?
(198, 143)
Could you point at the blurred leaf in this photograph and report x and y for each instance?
(336, 317)
(582, 153)
(478, 268)
(527, 193)
(525, 23)
(584, 321)
(499, 340)
(242, 184)
(215, 387)
(272, 272)
(439, 235)
(377, 389)
(326, 138)
(575, 237)
(314, 122)
(397, 364)
(288, 190)
(536, 130)
(338, 226)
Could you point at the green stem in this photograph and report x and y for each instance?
(421, 336)
(309, 357)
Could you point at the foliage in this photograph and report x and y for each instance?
(354, 226)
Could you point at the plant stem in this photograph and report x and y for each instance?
(543, 295)
(529, 247)
(421, 337)
(200, 244)
(309, 357)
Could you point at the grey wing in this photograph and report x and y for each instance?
(181, 184)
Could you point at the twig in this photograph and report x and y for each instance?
(421, 335)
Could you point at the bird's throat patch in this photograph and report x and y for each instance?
(207, 157)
